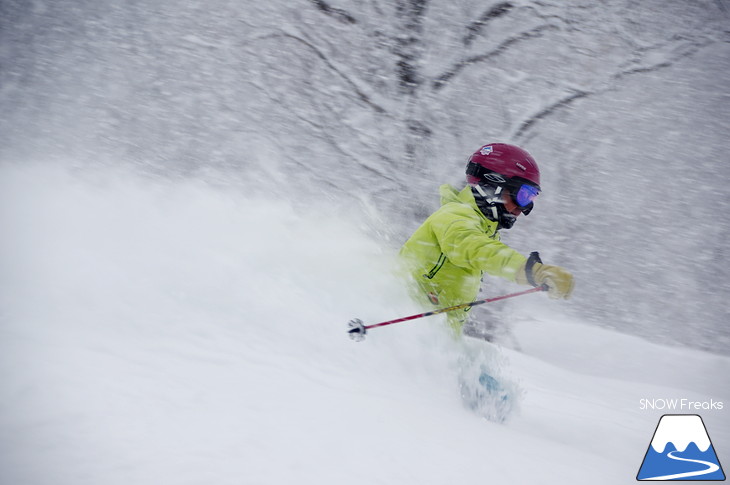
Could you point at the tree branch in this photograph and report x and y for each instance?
(446, 77)
(475, 28)
(336, 13)
(549, 110)
(565, 102)
(408, 44)
(361, 95)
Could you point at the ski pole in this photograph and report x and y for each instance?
(357, 329)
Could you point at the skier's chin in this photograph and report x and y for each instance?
(507, 221)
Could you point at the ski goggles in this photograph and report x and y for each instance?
(525, 194)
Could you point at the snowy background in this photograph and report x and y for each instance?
(195, 197)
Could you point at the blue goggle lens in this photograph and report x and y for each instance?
(526, 194)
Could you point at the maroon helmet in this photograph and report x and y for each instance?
(499, 166)
(502, 159)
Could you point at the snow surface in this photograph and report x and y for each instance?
(624, 105)
(181, 332)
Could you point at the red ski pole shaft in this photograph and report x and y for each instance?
(357, 329)
(455, 307)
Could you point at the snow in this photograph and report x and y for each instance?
(179, 331)
(623, 104)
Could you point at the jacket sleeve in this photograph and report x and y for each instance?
(466, 245)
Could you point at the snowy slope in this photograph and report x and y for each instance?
(623, 104)
(180, 333)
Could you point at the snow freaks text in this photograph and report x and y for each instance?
(679, 404)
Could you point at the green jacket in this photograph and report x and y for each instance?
(451, 250)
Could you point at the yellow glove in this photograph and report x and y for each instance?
(558, 280)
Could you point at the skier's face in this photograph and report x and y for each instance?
(510, 205)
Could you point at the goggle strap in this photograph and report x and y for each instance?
(474, 169)
(484, 174)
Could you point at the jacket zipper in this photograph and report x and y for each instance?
(435, 269)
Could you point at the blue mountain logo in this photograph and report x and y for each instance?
(681, 450)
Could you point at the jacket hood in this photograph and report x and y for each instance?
(450, 194)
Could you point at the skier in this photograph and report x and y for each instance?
(450, 251)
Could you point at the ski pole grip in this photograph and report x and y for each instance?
(534, 258)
